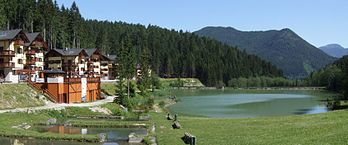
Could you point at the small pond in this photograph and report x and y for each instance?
(248, 104)
(115, 136)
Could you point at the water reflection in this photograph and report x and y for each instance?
(113, 134)
(245, 105)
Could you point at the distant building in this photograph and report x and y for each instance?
(79, 62)
(21, 55)
(34, 53)
(72, 61)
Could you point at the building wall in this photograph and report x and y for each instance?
(55, 65)
(72, 91)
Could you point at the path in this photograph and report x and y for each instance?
(56, 106)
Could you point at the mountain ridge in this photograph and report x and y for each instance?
(283, 48)
(334, 50)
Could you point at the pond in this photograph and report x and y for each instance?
(248, 104)
(115, 136)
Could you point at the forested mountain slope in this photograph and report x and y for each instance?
(285, 49)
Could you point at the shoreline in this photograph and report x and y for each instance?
(249, 88)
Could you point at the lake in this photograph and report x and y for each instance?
(248, 104)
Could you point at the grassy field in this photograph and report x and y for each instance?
(18, 96)
(108, 89)
(320, 129)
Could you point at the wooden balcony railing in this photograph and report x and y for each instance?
(9, 53)
(7, 65)
(78, 80)
(31, 62)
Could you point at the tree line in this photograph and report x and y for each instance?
(334, 77)
(170, 53)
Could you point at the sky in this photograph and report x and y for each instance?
(320, 22)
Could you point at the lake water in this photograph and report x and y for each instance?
(248, 104)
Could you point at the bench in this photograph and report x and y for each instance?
(189, 139)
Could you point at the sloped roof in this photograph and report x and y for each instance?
(90, 51)
(31, 37)
(111, 57)
(69, 51)
(54, 71)
(9, 34)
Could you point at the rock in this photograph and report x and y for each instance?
(84, 131)
(144, 117)
(17, 142)
(111, 143)
(189, 139)
(153, 141)
(51, 121)
(101, 110)
(134, 139)
(102, 137)
(176, 125)
(26, 127)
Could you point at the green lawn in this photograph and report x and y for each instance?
(328, 128)
(108, 88)
(18, 96)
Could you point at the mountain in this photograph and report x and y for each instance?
(285, 49)
(334, 50)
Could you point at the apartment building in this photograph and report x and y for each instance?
(70, 60)
(91, 62)
(12, 58)
(34, 55)
(21, 55)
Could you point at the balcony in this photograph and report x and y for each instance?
(78, 80)
(31, 52)
(69, 64)
(31, 62)
(18, 42)
(7, 65)
(25, 71)
(7, 53)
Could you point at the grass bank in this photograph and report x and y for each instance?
(327, 128)
(18, 96)
(108, 88)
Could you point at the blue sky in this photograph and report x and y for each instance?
(320, 22)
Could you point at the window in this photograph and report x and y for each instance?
(19, 50)
(20, 61)
(1, 48)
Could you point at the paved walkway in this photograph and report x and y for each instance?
(56, 106)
